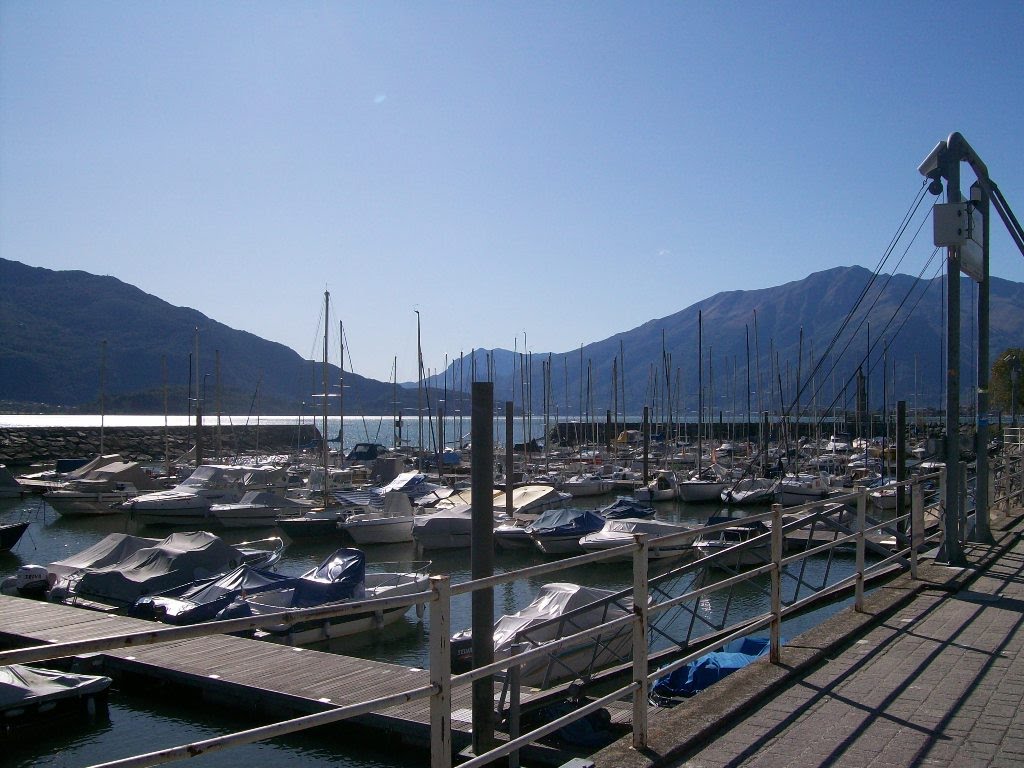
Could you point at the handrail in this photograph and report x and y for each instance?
(778, 566)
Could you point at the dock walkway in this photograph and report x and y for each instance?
(932, 673)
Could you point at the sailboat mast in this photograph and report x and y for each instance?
(326, 454)
(419, 394)
(341, 392)
(103, 391)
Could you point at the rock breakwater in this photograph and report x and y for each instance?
(24, 446)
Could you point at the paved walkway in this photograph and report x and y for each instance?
(931, 674)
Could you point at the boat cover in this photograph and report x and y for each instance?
(624, 506)
(181, 558)
(109, 550)
(202, 602)
(21, 685)
(342, 576)
(566, 521)
(553, 601)
(710, 668)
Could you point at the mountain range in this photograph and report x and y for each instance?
(816, 332)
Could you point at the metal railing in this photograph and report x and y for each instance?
(819, 532)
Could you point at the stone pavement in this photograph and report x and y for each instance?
(931, 674)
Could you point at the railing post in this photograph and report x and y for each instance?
(862, 508)
(441, 674)
(962, 504)
(514, 671)
(916, 524)
(640, 598)
(775, 651)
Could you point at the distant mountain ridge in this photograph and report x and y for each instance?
(901, 317)
(54, 324)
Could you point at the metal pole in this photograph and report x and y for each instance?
(901, 456)
(640, 598)
(982, 531)
(441, 674)
(862, 506)
(482, 556)
(647, 443)
(953, 551)
(510, 458)
(775, 651)
(916, 525)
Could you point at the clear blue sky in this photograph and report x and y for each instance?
(560, 170)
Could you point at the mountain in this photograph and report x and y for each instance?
(833, 316)
(54, 324)
(51, 352)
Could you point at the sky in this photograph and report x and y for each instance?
(528, 175)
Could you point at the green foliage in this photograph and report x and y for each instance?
(1002, 388)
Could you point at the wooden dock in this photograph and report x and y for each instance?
(257, 676)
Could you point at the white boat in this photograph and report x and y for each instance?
(119, 569)
(256, 509)
(391, 525)
(559, 610)
(751, 490)
(733, 542)
(618, 533)
(100, 491)
(188, 503)
(447, 528)
(319, 587)
(803, 488)
(530, 501)
(587, 484)
(707, 485)
(662, 488)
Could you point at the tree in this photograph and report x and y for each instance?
(1006, 384)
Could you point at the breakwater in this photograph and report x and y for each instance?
(24, 446)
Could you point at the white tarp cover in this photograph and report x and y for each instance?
(21, 685)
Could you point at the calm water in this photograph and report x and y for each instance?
(139, 722)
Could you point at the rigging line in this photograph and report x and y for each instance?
(867, 287)
(906, 317)
(347, 349)
(907, 218)
(913, 287)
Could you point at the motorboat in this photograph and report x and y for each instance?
(256, 509)
(316, 522)
(732, 546)
(34, 695)
(618, 533)
(188, 503)
(412, 484)
(530, 501)
(751, 490)
(558, 531)
(10, 534)
(391, 525)
(559, 610)
(450, 528)
(102, 490)
(248, 591)
(587, 484)
(625, 506)
(119, 569)
(706, 485)
(803, 488)
(662, 488)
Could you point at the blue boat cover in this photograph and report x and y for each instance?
(567, 520)
(710, 668)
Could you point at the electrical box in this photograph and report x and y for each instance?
(959, 225)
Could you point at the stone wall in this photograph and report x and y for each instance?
(20, 447)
